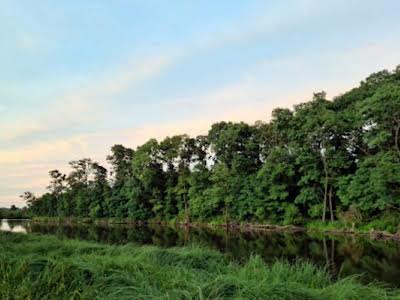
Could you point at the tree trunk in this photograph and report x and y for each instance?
(396, 139)
(186, 210)
(363, 150)
(226, 207)
(226, 216)
(185, 202)
(330, 204)
(186, 235)
(325, 189)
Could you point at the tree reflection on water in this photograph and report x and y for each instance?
(343, 255)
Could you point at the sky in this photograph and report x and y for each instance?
(77, 77)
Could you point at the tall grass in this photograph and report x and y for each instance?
(44, 267)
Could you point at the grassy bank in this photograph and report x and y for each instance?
(42, 267)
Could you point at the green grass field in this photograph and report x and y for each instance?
(44, 267)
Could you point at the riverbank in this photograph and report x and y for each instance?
(334, 228)
(44, 267)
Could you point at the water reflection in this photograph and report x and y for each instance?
(344, 255)
(14, 225)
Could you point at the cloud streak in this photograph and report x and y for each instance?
(275, 56)
(91, 100)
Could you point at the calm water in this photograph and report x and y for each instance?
(345, 255)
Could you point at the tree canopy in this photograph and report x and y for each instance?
(314, 161)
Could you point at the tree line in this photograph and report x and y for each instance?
(322, 159)
(13, 213)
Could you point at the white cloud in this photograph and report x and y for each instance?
(76, 105)
(25, 40)
(293, 79)
(89, 102)
(269, 84)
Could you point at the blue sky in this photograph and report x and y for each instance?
(77, 76)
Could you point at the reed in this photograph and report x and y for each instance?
(44, 267)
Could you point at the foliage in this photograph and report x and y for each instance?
(316, 161)
(13, 213)
(388, 221)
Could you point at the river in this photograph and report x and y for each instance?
(343, 255)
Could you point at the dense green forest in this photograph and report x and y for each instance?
(326, 159)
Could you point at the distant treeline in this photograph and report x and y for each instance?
(323, 159)
(13, 213)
